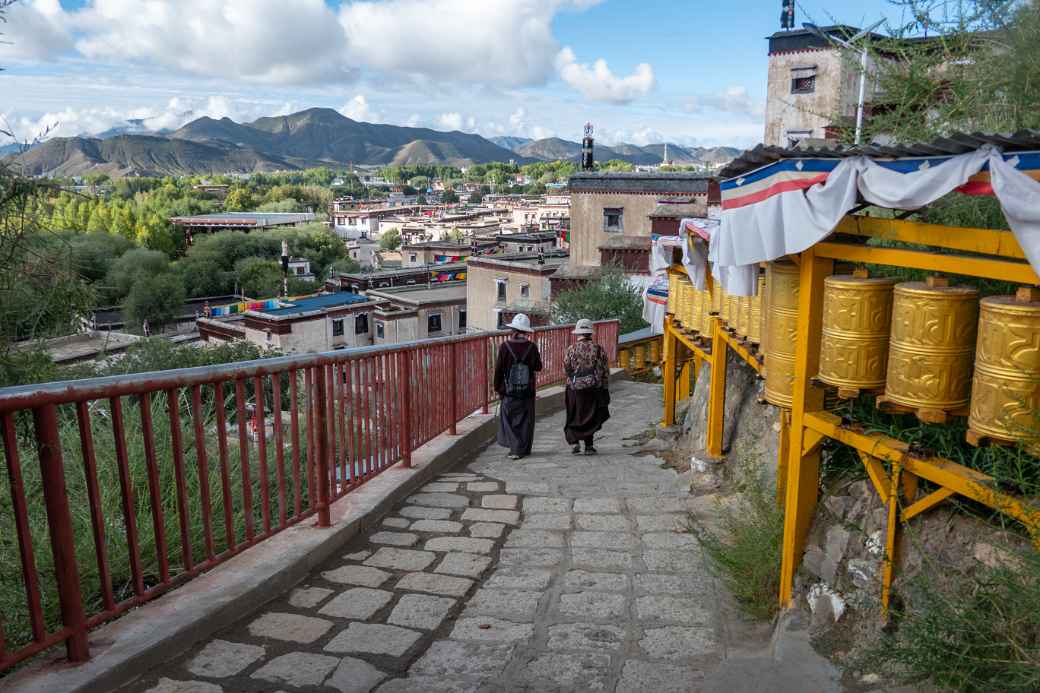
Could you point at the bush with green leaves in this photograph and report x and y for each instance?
(609, 296)
(157, 298)
(743, 542)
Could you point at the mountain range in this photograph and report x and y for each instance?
(314, 137)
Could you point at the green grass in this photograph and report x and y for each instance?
(13, 604)
(743, 543)
(973, 633)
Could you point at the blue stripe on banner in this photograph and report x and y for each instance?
(807, 166)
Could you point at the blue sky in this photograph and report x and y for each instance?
(685, 71)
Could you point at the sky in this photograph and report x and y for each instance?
(691, 72)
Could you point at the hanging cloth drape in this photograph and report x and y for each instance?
(794, 208)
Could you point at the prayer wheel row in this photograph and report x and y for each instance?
(687, 305)
(918, 341)
(743, 314)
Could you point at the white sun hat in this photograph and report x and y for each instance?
(520, 322)
(584, 326)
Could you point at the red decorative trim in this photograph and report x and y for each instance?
(776, 189)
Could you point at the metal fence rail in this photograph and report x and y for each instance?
(144, 481)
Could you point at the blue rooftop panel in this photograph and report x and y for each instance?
(326, 301)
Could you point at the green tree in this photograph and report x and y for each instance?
(420, 183)
(345, 265)
(607, 297)
(449, 197)
(239, 200)
(94, 253)
(130, 266)
(157, 298)
(259, 278)
(203, 274)
(391, 240)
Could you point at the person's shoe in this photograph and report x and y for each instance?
(576, 450)
(514, 456)
(590, 450)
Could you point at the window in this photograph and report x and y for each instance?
(796, 136)
(299, 269)
(433, 323)
(803, 79)
(613, 219)
(500, 287)
(337, 328)
(361, 324)
(500, 320)
(380, 330)
(525, 291)
(462, 320)
(411, 257)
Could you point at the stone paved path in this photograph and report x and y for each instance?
(555, 573)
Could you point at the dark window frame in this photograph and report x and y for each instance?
(430, 322)
(361, 321)
(617, 225)
(338, 327)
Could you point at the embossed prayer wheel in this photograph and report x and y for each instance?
(681, 298)
(932, 345)
(716, 299)
(744, 316)
(704, 318)
(782, 328)
(732, 311)
(689, 309)
(755, 325)
(1005, 392)
(857, 320)
(673, 293)
(696, 305)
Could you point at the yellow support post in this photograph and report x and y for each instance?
(891, 537)
(682, 391)
(717, 393)
(782, 455)
(668, 372)
(803, 471)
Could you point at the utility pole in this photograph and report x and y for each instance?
(848, 45)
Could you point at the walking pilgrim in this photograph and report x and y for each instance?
(587, 396)
(518, 361)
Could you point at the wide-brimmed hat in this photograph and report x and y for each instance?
(520, 322)
(584, 326)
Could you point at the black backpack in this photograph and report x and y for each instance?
(518, 377)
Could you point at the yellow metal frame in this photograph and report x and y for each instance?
(890, 464)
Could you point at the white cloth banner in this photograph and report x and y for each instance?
(793, 221)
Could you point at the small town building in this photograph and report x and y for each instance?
(443, 252)
(363, 250)
(300, 268)
(362, 282)
(419, 312)
(499, 286)
(240, 221)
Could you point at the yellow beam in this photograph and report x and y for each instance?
(1006, 270)
(891, 538)
(717, 392)
(983, 241)
(782, 455)
(803, 471)
(877, 474)
(741, 350)
(962, 480)
(927, 503)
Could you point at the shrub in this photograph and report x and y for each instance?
(610, 296)
(744, 545)
(980, 633)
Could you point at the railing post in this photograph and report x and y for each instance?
(322, 453)
(59, 522)
(404, 368)
(717, 391)
(453, 395)
(485, 369)
(668, 374)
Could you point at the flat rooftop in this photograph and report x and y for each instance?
(313, 303)
(258, 219)
(455, 291)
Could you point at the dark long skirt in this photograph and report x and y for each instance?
(587, 411)
(516, 425)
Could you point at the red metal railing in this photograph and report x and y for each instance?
(147, 480)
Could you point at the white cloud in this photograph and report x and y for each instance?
(494, 41)
(450, 121)
(358, 108)
(598, 83)
(35, 30)
(733, 99)
(517, 119)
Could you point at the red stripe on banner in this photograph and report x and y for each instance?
(976, 187)
(776, 189)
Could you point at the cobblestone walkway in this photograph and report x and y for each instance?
(554, 573)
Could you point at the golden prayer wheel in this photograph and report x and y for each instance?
(857, 319)
(744, 316)
(782, 280)
(932, 345)
(681, 297)
(732, 310)
(755, 326)
(689, 295)
(1005, 393)
(716, 298)
(704, 316)
(696, 303)
(673, 293)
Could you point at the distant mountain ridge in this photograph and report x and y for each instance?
(313, 137)
(554, 148)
